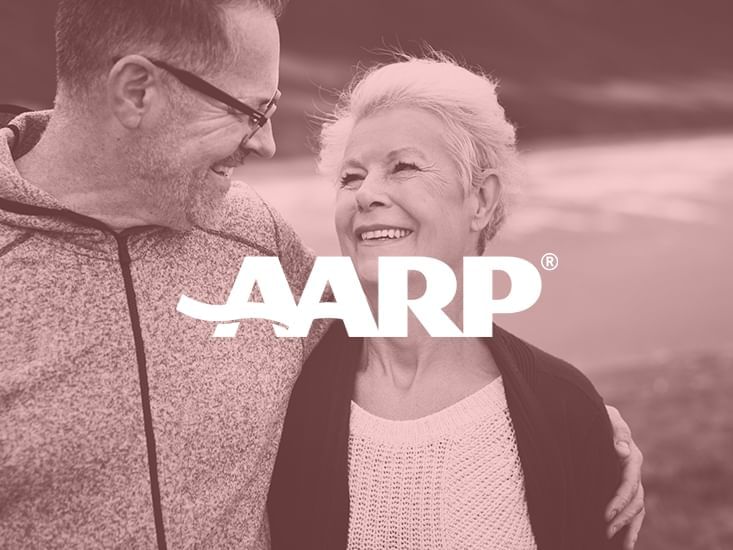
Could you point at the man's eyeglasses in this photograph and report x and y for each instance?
(257, 118)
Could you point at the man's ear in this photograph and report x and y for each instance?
(485, 192)
(132, 88)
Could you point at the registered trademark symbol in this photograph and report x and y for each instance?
(550, 261)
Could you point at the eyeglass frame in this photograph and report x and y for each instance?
(200, 85)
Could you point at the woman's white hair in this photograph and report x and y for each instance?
(477, 133)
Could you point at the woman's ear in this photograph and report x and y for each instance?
(132, 87)
(485, 192)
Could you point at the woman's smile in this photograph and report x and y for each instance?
(375, 234)
(401, 193)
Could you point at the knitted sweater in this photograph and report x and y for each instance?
(563, 436)
(118, 414)
(418, 483)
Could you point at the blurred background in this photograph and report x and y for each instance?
(625, 118)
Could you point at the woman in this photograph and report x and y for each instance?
(422, 442)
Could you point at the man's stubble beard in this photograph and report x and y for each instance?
(179, 197)
(205, 204)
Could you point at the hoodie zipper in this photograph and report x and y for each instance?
(123, 253)
(125, 261)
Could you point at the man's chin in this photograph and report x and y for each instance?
(202, 204)
(206, 212)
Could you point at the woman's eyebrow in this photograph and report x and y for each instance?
(395, 153)
(351, 163)
(410, 150)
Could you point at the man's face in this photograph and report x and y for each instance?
(191, 155)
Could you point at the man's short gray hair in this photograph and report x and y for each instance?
(477, 132)
(191, 33)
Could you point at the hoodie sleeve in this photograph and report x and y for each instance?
(297, 262)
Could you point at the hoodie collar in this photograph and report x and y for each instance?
(24, 206)
(16, 139)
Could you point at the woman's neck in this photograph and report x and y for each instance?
(412, 376)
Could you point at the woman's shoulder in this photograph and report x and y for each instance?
(328, 372)
(565, 440)
(555, 382)
(334, 347)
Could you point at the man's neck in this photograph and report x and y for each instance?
(76, 169)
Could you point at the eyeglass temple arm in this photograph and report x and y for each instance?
(212, 91)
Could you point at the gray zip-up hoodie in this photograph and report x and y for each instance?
(119, 417)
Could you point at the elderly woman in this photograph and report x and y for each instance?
(422, 442)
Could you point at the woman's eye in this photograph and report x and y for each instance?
(346, 179)
(402, 166)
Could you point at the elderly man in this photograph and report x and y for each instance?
(123, 422)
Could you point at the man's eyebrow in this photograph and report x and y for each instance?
(258, 103)
(263, 103)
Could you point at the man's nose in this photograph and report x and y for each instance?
(262, 143)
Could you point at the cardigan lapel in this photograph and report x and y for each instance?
(334, 464)
(544, 475)
(545, 479)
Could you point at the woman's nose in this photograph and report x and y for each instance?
(371, 193)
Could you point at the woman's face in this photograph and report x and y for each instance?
(401, 194)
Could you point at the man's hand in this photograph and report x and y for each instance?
(627, 506)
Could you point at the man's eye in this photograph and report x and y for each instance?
(402, 166)
(238, 114)
(346, 179)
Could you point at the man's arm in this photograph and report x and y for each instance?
(297, 262)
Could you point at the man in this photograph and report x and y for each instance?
(123, 422)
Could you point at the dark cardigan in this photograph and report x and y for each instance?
(563, 435)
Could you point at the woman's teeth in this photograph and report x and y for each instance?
(224, 171)
(385, 234)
